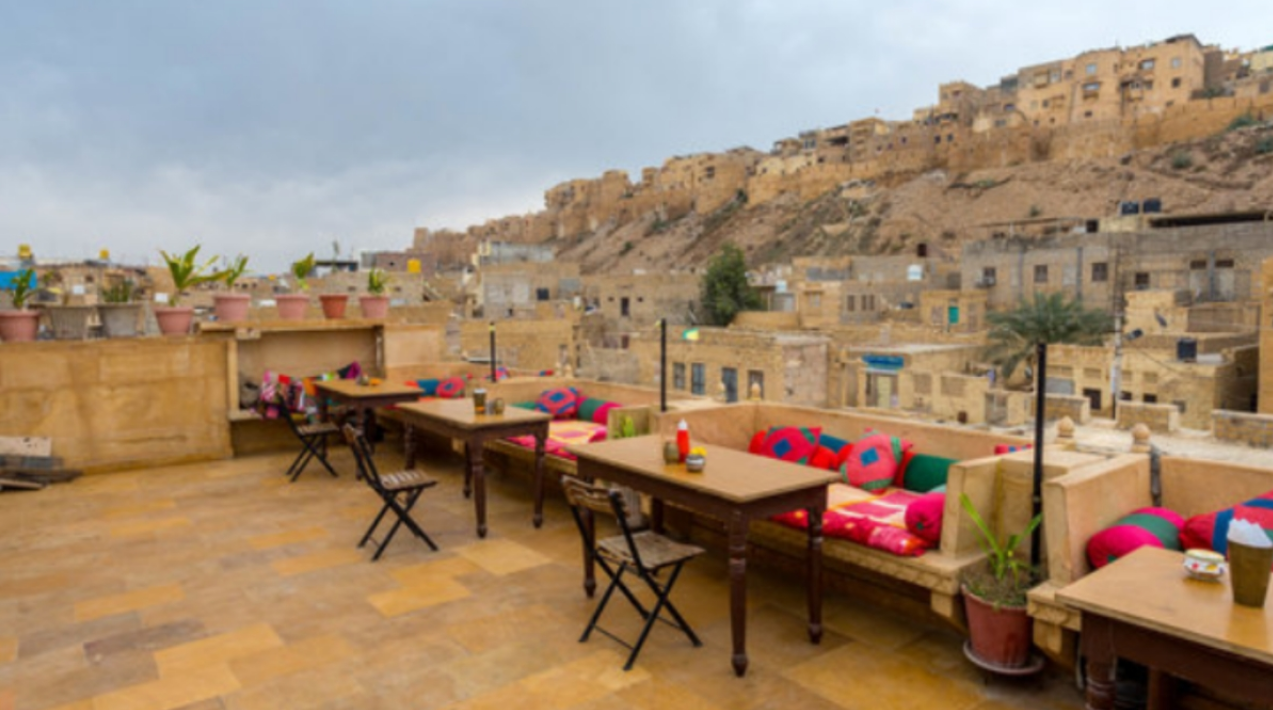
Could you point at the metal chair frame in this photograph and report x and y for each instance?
(313, 443)
(390, 494)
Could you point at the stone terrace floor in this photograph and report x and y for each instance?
(222, 586)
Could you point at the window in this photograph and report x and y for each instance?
(698, 378)
(1041, 273)
(1224, 263)
(1087, 114)
(1142, 280)
(1100, 272)
(1150, 399)
(1092, 87)
(988, 276)
(729, 378)
(868, 302)
(851, 303)
(756, 380)
(1175, 83)
(624, 307)
(678, 375)
(1180, 404)
(1175, 62)
(1198, 265)
(1149, 86)
(1146, 64)
(1091, 69)
(541, 294)
(815, 301)
(709, 172)
(1125, 396)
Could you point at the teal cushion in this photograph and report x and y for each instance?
(588, 408)
(924, 473)
(834, 443)
(524, 405)
(428, 387)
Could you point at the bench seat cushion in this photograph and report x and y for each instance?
(874, 520)
(563, 433)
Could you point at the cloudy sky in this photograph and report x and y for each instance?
(273, 128)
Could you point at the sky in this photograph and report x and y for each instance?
(274, 128)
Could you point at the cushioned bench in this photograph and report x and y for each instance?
(977, 472)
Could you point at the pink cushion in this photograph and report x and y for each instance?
(924, 515)
(451, 388)
(824, 459)
(602, 414)
(873, 462)
(1211, 531)
(561, 403)
(789, 443)
(1155, 527)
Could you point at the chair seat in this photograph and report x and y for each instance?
(656, 550)
(317, 429)
(402, 480)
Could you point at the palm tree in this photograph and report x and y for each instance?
(1048, 318)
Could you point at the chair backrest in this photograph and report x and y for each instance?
(581, 494)
(362, 455)
(285, 412)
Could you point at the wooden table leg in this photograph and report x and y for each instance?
(814, 580)
(468, 469)
(478, 474)
(1100, 662)
(738, 589)
(540, 440)
(1162, 690)
(408, 445)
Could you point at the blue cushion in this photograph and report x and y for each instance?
(834, 443)
(428, 387)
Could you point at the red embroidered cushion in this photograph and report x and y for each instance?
(561, 403)
(823, 458)
(924, 516)
(757, 444)
(1156, 527)
(795, 444)
(873, 463)
(451, 388)
(1211, 531)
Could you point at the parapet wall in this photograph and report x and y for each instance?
(1243, 427)
(1158, 417)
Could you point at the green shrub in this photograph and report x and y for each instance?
(1264, 146)
(1242, 121)
(1182, 160)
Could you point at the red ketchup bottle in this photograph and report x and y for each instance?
(683, 440)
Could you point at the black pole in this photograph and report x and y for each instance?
(494, 378)
(1040, 402)
(663, 365)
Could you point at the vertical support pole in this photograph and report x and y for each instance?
(494, 379)
(662, 364)
(1040, 404)
(1116, 367)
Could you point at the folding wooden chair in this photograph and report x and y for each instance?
(313, 438)
(644, 553)
(399, 491)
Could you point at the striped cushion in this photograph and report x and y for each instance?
(1155, 527)
(1211, 531)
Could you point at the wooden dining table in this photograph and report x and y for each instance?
(362, 399)
(736, 488)
(1144, 608)
(457, 419)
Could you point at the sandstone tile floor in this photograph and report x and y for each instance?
(221, 586)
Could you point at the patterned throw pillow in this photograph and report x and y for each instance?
(451, 388)
(873, 463)
(1156, 527)
(789, 443)
(561, 403)
(1211, 531)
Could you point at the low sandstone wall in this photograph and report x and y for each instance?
(1075, 407)
(113, 404)
(1158, 417)
(1243, 427)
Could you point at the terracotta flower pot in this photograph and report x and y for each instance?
(292, 306)
(231, 307)
(19, 326)
(374, 306)
(174, 320)
(120, 320)
(334, 305)
(999, 636)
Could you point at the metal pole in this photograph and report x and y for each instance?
(493, 377)
(1116, 367)
(663, 365)
(1040, 402)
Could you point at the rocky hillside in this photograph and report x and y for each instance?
(1229, 171)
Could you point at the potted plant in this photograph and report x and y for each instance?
(20, 324)
(231, 307)
(118, 312)
(995, 598)
(291, 306)
(186, 273)
(375, 304)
